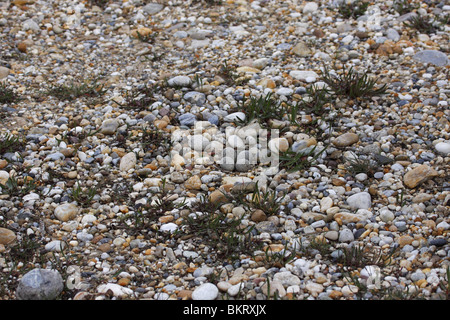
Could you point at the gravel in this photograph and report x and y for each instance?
(121, 188)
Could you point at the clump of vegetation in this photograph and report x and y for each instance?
(10, 143)
(425, 24)
(316, 102)
(262, 109)
(87, 89)
(225, 233)
(83, 196)
(352, 84)
(352, 10)
(359, 164)
(404, 6)
(7, 95)
(138, 99)
(303, 159)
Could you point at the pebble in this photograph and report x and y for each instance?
(434, 57)
(66, 212)
(346, 139)
(206, 291)
(443, 148)
(202, 74)
(179, 81)
(40, 284)
(128, 162)
(360, 200)
(7, 236)
(419, 175)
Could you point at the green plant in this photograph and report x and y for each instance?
(316, 102)
(138, 99)
(279, 258)
(423, 24)
(353, 85)
(7, 95)
(359, 256)
(262, 109)
(352, 10)
(10, 143)
(404, 6)
(83, 196)
(227, 73)
(303, 159)
(15, 186)
(89, 88)
(358, 164)
(225, 234)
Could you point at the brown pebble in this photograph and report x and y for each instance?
(104, 247)
(22, 47)
(258, 216)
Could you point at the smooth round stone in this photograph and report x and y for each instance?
(310, 7)
(235, 142)
(227, 163)
(206, 291)
(198, 142)
(6, 236)
(346, 139)
(55, 245)
(386, 215)
(179, 81)
(169, 227)
(195, 97)
(361, 200)
(346, 235)
(66, 212)
(443, 147)
(40, 284)
(4, 176)
(109, 126)
(187, 119)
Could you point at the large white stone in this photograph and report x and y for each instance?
(360, 200)
(206, 291)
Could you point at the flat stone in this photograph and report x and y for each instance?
(193, 183)
(418, 175)
(435, 57)
(443, 147)
(66, 211)
(6, 236)
(361, 200)
(346, 139)
(109, 126)
(152, 8)
(4, 72)
(301, 50)
(179, 81)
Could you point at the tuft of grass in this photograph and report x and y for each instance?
(88, 89)
(423, 24)
(83, 196)
(10, 143)
(352, 10)
(262, 109)
(404, 6)
(225, 234)
(297, 161)
(316, 102)
(15, 186)
(359, 164)
(7, 95)
(353, 85)
(138, 99)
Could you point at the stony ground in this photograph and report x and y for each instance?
(103, 197)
